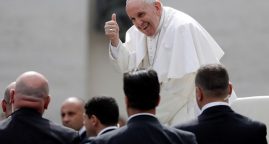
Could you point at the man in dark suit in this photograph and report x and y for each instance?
(72, 111)
(26, 125)
(142, 90)
(218, 123)
(101, 116)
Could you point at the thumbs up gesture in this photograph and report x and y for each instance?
(112, 30)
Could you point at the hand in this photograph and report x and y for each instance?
(112, 30)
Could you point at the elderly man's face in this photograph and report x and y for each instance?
(146, 17)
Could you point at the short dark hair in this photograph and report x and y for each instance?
(104, 108)
(213, 79)
(142, 89)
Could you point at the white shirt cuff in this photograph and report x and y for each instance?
(114, 51)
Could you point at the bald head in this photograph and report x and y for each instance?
(31, 91)
(6, 103)
(72, 113)
(32, 84)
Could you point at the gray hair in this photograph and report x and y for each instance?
(7, 91)
(146, 1)
(150, 1)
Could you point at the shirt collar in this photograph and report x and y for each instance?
(105, 129)
(212, 104)
(81, 130)
(139, 114)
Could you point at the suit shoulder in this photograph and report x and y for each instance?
(64, 132)
(249, 121)
(185, 136)
(178, 131)
(109, 136)
(187, 125)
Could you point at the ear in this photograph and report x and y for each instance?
(126, 102)
(94, 120)
(47, 101)
(199, 97)
(12, 96)
(199, 94)
(4, 105)
(158, 7)
(230, 88)
(159, 99)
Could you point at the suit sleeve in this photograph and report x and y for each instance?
(262, 132)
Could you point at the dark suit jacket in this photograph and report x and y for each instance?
(83, 136)
(221, 125)
(90, 139)
(145, 129)
(26, 126)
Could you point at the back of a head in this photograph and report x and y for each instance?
(213, 79)
(142, 89)
(31, 91)
(104, 108)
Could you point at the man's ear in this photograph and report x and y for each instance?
(47, 101)
(126, 102)
(12, 96)
(159, 99)
(158, 7)
(230, 88)
(199, 97)
(94, 120)
(199, 94)
(4, 105)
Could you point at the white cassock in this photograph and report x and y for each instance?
(180, 46)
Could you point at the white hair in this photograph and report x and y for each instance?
(146, 1)
(150, 1)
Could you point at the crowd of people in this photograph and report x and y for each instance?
(176, 91)
(96, 121)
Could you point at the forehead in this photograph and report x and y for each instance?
(135, 6)
(71, 107)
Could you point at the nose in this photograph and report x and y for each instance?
(138, 22)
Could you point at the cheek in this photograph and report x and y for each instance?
(155, 23)
(77, 117)
(87, 124)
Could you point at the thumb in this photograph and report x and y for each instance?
(113, 17)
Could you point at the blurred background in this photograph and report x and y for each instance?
(64, 40)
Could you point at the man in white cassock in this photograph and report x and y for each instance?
(170, 42)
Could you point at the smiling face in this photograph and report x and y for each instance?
(145, 16)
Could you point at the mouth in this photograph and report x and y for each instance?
(144, 27)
